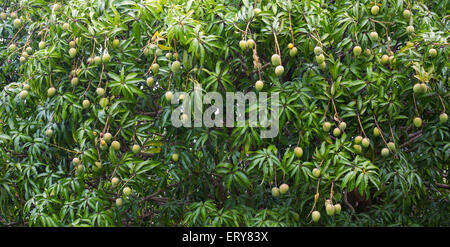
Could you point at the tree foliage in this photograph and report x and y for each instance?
(57, 162)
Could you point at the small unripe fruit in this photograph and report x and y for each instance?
(368, 52)
(391, 59)
(384, 59)
(79, 169)
(384, 152)
(391, 146)
(279, 70)
(175, 157)
(251, 43)
(318, 50)
(275, 192)
(357, 148)
(136, 148)
(116, 43)
(25, 54)
(66, 26)
(76, 161)
(51, 91)
(330, 209)
(259, 85)
(169, 95)
(22, 59)
(146, 52)
(42, 45)
(284, 188)
(150, 81)
(432, 52)
(243, 44)
(74, 81)
(409, 29)
(293, 52)
(155, 68)
(406, 13)
(97, 60)
(127, 191)
(176, 66)
(275, 59)
(417, 122)
(115, 145)
(100, 91)
(12, 47)
(29, 50)
(376, 132)
(98, 165)
(23, 94)
(365, 142)
(106, 57)
(315, 216)
(257, 11)
(357, 50)
(423, 87)
(298, 152)
(337, 208)
(103, 145)
(374, 36)
(13, 15)
(320, 58)
(375, 9)
(358, 139)
(49, 132)
(26, 86)
(342, 125)
(107, 137)
(56, 7)
(336, 132)
(114, 181)
(17, 23)
(443, 117)
(169, 55)
(72, 52)
(3, 16)
(417, 88)
(326, 126)
(86, 104)
(323, 65)
(119, 202)
(316, 172)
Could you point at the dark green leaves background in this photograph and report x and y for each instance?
(224, 176)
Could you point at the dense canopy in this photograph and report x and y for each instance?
(86, 137)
